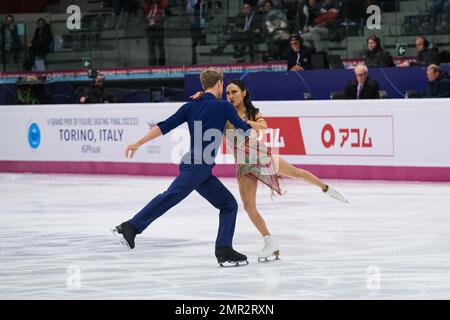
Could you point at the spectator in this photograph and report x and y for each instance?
(425, 54)
(97, 93)
(329, 13)
(376, 56)
(122, 10)
(247, 26)
(308, 11)
(298, 56)
(132, 7)
(41, 43)
(291, 8)
(200, 16)
(438, 85)
(154, 10)
(439, 6)
(118, 6)
(362, 87)
(275, 30)
(11, 38)
(260, 3)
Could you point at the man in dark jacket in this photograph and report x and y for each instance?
(41, 43)
(204, 115)
(11, 43)
(425, 54)
(247, 27)
(438, 83)
(362, 87)
(298, 56)
(201, 15)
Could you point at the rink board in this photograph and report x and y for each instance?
(375, 139)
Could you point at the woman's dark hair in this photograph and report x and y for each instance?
(250, 110)
(377, 41)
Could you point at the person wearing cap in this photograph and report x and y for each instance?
(298, 56)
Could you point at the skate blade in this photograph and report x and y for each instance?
(121, 239)
(274, 257)
(343, 200)
(228, 264)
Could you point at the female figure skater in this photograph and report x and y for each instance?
(248, 174)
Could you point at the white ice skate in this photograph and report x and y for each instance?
(336, 194)
(270, 252)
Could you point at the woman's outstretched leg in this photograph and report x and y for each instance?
(288, 170)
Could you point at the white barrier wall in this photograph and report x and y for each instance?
(373, 139)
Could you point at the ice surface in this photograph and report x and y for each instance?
(392, 242)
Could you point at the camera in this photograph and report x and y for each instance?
(92, 73)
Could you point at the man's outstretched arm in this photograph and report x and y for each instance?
(162, 127)
(132, 148)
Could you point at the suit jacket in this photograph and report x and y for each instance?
(255, 25)
(370, 90)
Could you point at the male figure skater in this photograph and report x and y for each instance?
(195, 170)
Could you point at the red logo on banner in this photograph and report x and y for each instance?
(360, 137)
(283, 134)
(286, 135)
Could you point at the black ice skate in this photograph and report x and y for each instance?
(126, 234)
(227, 257)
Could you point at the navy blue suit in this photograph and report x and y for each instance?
(195, 172)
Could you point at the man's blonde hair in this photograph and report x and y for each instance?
(209, 78)
(433, 67)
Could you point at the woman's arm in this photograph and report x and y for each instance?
(259, 122)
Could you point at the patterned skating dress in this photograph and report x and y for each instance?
(253, 159)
